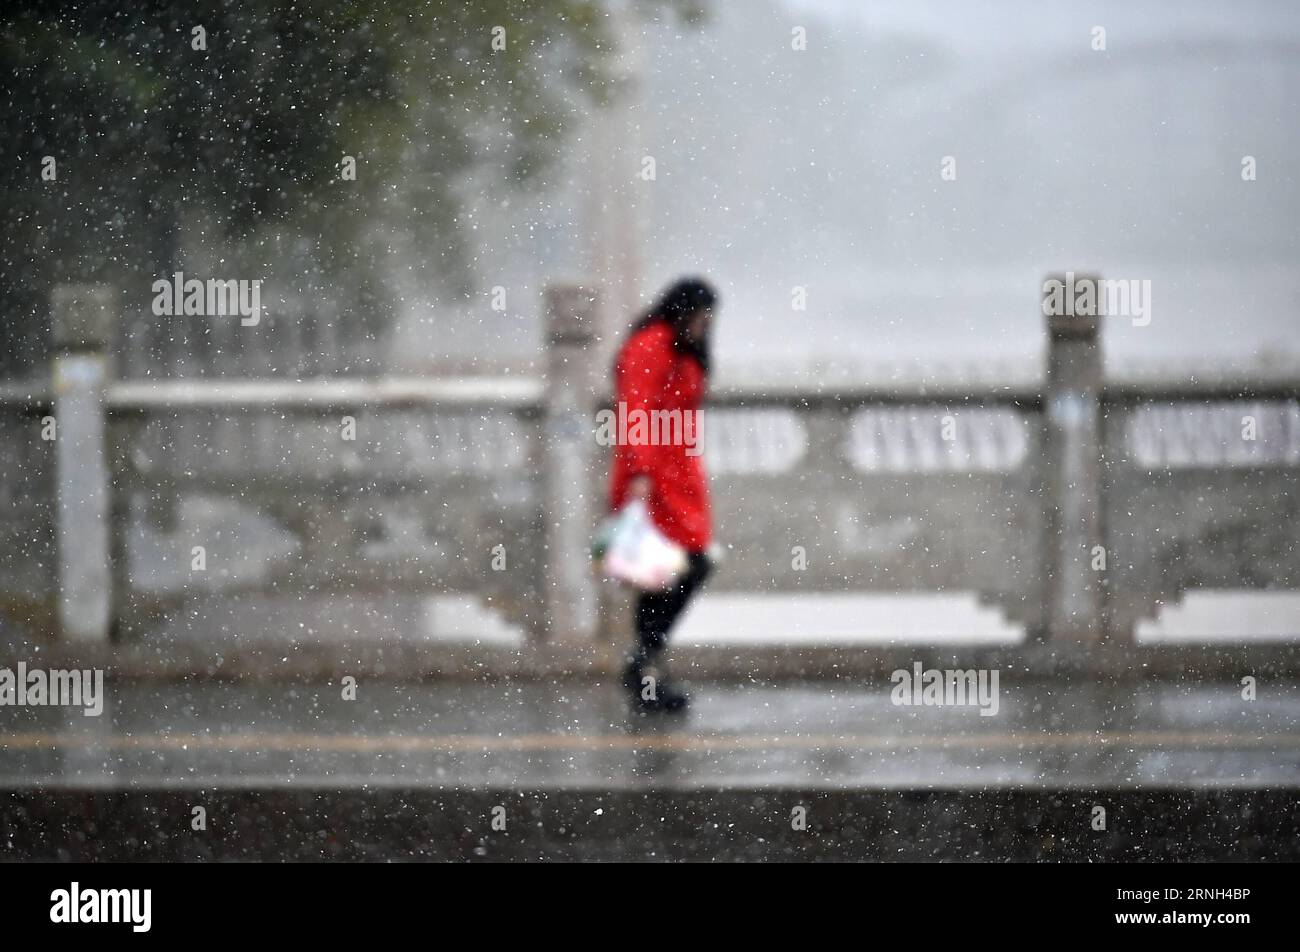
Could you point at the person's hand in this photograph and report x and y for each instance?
(639, 488)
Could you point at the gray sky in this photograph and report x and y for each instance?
(820, 169)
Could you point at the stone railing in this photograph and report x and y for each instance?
(1078, 506)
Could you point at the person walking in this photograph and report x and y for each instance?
(663, 367)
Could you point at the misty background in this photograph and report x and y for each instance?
(821, 169)
(775, 169)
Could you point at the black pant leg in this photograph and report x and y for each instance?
(656, 612)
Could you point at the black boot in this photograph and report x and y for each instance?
(662, 694)
(671, 696)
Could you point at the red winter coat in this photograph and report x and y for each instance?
(650, 375)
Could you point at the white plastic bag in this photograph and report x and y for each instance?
(630, 549)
